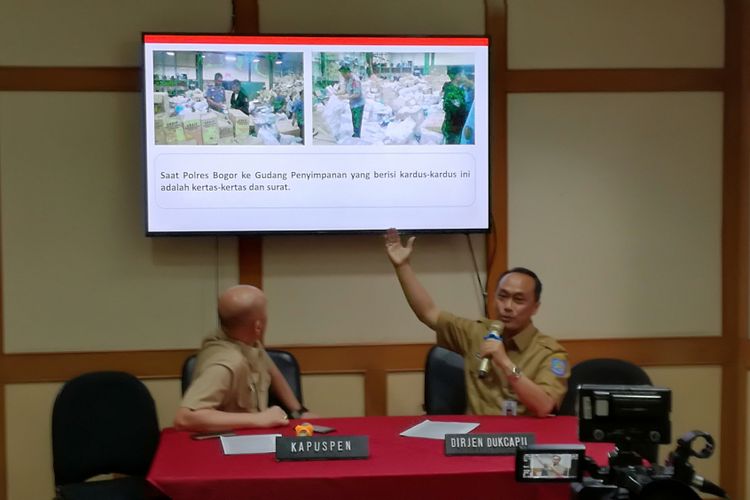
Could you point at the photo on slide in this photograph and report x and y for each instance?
(393, 98)
(228, 98)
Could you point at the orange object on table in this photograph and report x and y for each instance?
(305, 429)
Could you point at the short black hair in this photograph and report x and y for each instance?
(218, 75)
(527, 272)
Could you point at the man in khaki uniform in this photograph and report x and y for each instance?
(233, 372)
(529, 370)
(556, 468)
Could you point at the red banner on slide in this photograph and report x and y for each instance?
(320, 40)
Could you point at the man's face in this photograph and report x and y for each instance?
(346, 74)
(218, 81)
(235, 87)
(252, 327)
(556, 460)
(515, 301)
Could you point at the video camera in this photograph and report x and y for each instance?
(636, 419)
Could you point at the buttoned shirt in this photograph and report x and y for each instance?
(216, 94)
(539, 357)
(229, 376)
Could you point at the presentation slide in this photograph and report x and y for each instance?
(285, 134)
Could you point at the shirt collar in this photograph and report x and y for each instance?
(221, 335)
(522, 339)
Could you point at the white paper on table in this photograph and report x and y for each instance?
(438, 430)
(248, 445)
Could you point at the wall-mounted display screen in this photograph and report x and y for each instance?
(284, 134)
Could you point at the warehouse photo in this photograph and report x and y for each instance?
(212, 98)
(370, 98)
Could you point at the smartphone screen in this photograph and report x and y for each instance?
(322, 429)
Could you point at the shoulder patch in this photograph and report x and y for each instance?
(558, 366)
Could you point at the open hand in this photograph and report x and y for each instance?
(398, 253)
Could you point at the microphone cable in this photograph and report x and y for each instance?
(482, 288)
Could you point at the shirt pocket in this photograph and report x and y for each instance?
(248, 393)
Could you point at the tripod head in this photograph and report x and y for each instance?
(682, 469)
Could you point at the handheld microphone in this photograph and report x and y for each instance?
(494, 333)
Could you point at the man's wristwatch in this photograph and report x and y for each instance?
(298, 413)
(515, 373)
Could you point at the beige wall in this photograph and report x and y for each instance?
(615, 199)
(103, 33)
(399, 17)
(78, 273)
(615, 34)
(344, 291)
(340, 395)
(406, 393)
(696, 405)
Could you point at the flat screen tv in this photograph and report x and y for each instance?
(315, 134)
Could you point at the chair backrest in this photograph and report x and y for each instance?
(288, 366)
(607, 371)
(103, 422)
(284, 360)
(188, 368)
(444, 383)
(601, 371)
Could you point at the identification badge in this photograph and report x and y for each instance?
(510, 407)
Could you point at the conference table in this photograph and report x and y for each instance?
(398, 467)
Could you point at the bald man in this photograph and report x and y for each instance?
(233, 372)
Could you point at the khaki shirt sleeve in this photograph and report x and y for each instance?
(553, 376)
(453, 332)
(268, 362)
(209, 389)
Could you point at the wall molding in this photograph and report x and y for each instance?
(69, 79)
(128, 79)
(616, 80)
(346, 358)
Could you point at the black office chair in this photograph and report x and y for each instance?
(444, 383)
(102, 423)
(284, 360)
(606, 371)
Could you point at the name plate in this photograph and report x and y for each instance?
(486, 444)
(322, 448)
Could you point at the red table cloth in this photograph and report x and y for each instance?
(398, 467)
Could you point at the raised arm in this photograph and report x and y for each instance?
(416, 295)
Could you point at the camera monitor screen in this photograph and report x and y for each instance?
(284, 134)
(549, 463)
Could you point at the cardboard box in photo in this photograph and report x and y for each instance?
(191, 123)
(210, 126)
